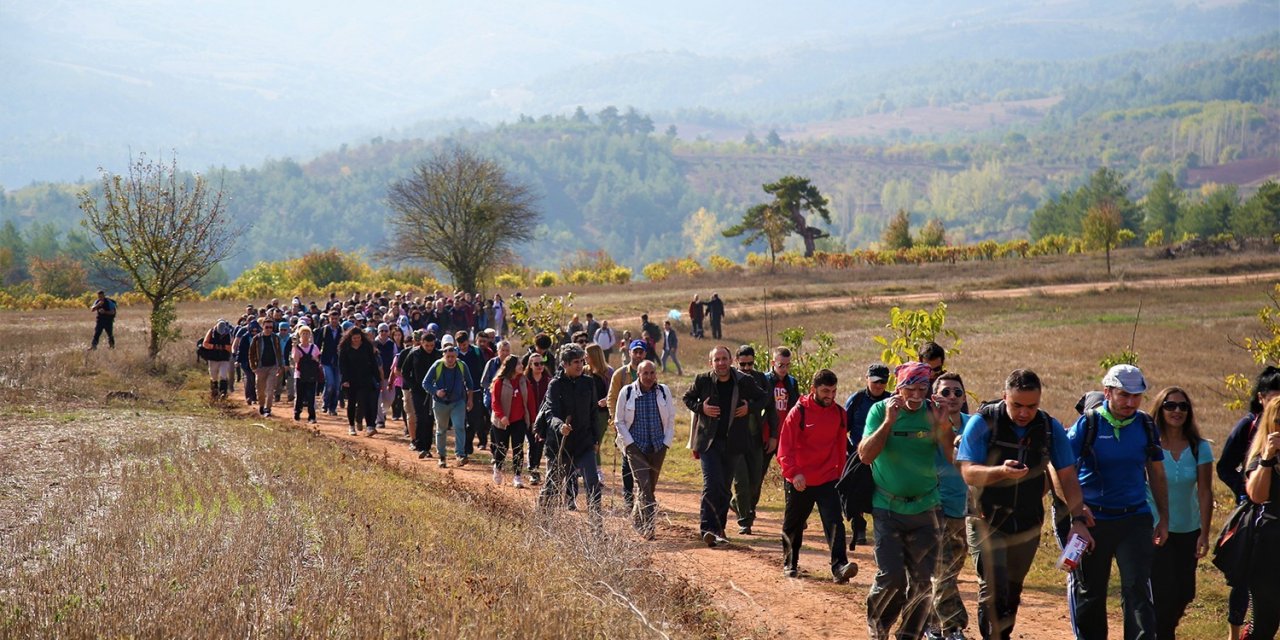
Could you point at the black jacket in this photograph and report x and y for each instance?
(571, 400)
(703, 431)
(360, 367)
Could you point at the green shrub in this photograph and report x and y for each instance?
(545, 279)
(509, 281)
(656, 272)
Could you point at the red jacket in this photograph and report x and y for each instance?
(815, 449)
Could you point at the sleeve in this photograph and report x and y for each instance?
(751, 392)
(620, 419)
(1206, 453)
(429, 381)
(496, 394)
(669, 429)
(874, 417)
(468, 383)
(1061, 454)
(973, 442)
(787, 444)
(1076, 438)
(1233, 457)
(615, 387)
(692, 399)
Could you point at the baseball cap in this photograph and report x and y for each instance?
(448, 341)
(878, 373)
(638, 344)
(1127, 377)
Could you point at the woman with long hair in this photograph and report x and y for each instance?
(361, 378)
(1188, 465)
(397, 383)
(1231, 467)
(513, 410)
(1262, 484)
(539, 377)
(306, 373)
(601, 373)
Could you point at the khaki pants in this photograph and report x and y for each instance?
(267, 378)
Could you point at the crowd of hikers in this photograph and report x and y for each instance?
(943, 476)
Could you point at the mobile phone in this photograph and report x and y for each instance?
(1019, 465)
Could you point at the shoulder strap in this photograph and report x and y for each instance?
(1091, 419)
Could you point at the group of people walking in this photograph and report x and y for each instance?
(942, 476)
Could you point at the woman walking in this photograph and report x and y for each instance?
(1262, 483)
(513, 409)
(361, 378)
(1188, 465)
(306, 374)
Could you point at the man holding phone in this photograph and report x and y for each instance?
(901, 441)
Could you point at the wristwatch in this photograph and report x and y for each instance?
(1269, 462)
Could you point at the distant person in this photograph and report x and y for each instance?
(696, 311)
(266, 358)
(715, 313)
(306, 373)
(670, 346)
(651, 334)
(328, 338)
(932, 354)
(566, 421)
(623, 376)
(217, 346)
(538, 375)
(449, 383)
(749, 462)
(361, 374)
(513, 410)
(592, 326)
(605, 337)
(104, 310)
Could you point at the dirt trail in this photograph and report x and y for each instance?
(744, 579)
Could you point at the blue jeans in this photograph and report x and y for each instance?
(455, 414)
(332, 383)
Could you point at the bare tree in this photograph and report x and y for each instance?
(461, 212)
(163, 230)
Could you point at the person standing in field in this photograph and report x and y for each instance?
(1262, 485)
(1188, 466)
(1005, 451)
(539, 377)
(104, 313)
(1119, 455)
(387, 351)
(900, 442)
(477, 416)
(567, 422)
(645, 421)
(217, 345)
(1231, 468)
(413, 368)
(720, 399)
(623, 376)
(449, 383)
(948, 617)
(857, 407)
(715, 313)
(240, 347)
(696, 312)
(607, 340)
(306, 373)
(651, 333)
(811, 457)
(670, 345)
(329, 337)
(266, 358)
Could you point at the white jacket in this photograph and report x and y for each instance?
(627, 412)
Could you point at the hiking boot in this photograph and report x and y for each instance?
(709, 539)
(422, 455)
(517, 482)
(721, 540)
(844, 572)
(462, 462)
(790, 572)
(351, 430)
(745, 530)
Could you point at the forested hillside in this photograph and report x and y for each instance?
(617, 180)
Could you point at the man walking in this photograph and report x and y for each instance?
(448, 382)
(328, 338)
(720, 400)
(670, 344)
(415, 363)
(646, 428)
(567, 422)
(811, 456)
(696, 312)
(104, 310)
(900, 442)
(1005, 452)
(715, 313)
(1119, 456)
(762, 441)
(266, 358)
(623, 376)
(857, 407)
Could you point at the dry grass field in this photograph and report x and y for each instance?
(164, 516)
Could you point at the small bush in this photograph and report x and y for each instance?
(545, 279)
(656, 272)
(509, 281)
(721, 263)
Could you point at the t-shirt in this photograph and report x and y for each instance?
(905, 472)
(952, 491)
(780, 396)
(1184, 496)
(1115, 475)
(724, 400)
(973, 444)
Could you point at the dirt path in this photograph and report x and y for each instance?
(744, 579)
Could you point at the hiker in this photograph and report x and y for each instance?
(900, 443)
(513, 410)
(306, 373)
(539, 377)
(1262, 484)
(1231, 466)
(645, 422)
(1188, 467)
(749, 462)
(670, 346)
(1118, 455)
(1005, 452)
(857, 407)
(720, 399)
(361, 373)
(697, 310)
(566, 420)
(948, 616)
(266, 358)
(477, 418)
(449, 383)
(414, 365)
(329, 337)
(623, 376)
(811, 456)
(104, 313)
(217, 349)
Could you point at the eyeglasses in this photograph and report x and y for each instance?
(951, 392)
(1169, 405)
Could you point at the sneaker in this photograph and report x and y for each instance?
(709, 538)
(844, 572)
(311, 421)
(497, 476)
(721, 540)
(600, 475)
(745, 530)
(790, 572)
(860, 538)
(443, 464)
(932, 634)
(351, 431)
(535, 478)
(517, 482)
(462, 462)
(422, 455)
(369, 433)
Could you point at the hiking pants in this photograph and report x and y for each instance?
(795, 517)
(362, 403)
(645, 468)
(1002, 561)
(748, 473)
(1173, 580)
(107, 324)
(250, 389)
(1128, 540)
(332, 387)
(477, 426)
(906, 551)
(306, 398)
(561, 470)
(424, 418)
(267, 378)
(511, 438)
(949, 613)
(451, 414)
(670, 354)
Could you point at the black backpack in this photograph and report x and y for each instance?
(308, 368)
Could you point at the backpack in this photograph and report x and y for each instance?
(309, 368)
(1092, 418)
(1233, 552)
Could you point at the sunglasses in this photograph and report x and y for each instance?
(746, 365)
(535, 364)
(1176, 406)
(951, 392)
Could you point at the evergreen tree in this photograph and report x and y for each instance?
(897, 234)
(1259, 216)
(1162, 206)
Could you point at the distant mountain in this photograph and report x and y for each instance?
(232, 83)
